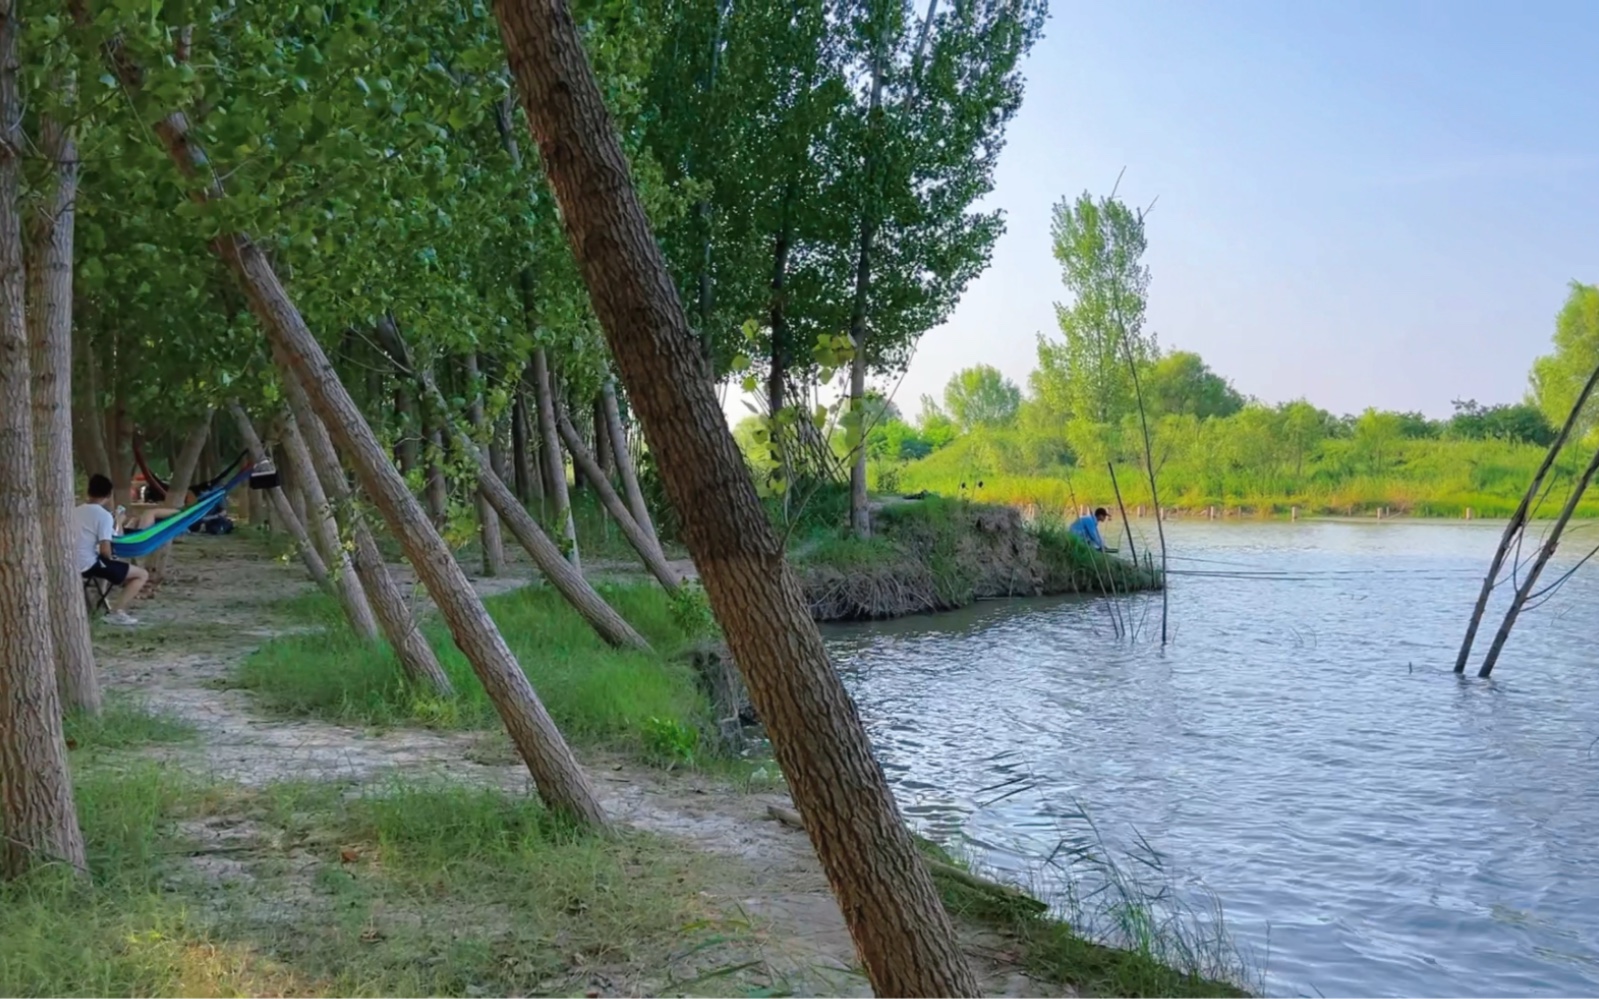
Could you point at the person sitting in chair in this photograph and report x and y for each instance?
(95, 528)
(1087, 528)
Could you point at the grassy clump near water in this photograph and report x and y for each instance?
(1146, 950)
(937, 553)
(597, 694)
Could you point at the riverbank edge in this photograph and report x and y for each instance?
(1044, 945)
(932, 554)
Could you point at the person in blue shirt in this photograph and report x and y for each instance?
(1087, 528)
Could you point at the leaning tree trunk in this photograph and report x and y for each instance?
(550, 449)
(648, 550)
(324, 530)
(624, 465)
(560, 781)
(291, 524)
(488, 522)
(37, 815)
(567, 579)
(901, 930)
(50, 336)
(418, 661)
(1545, 552)
(1518, 519)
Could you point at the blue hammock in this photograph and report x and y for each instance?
(160, 534)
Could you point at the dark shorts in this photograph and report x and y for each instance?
(109, 569)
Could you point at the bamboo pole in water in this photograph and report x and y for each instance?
(1518, 520)
(1546, 550)
(1131, 550)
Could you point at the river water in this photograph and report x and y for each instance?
(1371, 823)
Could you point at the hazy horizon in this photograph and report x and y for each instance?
(1360, 203)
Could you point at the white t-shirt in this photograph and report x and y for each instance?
(93, 524)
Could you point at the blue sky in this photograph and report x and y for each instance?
(1361, 203)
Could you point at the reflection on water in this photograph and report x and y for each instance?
(1373, 824)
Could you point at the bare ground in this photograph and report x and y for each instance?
(214, 607)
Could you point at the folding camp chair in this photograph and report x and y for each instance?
(95, 594)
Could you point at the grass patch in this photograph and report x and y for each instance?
(298, 890)
(596, 694)
(125, 722)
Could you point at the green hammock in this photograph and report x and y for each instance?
(158, 535)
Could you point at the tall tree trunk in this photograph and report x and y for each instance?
(859, 511)
(624, 464)
(901, 930)
(1545, 552)
(550, 449)
(648, 550)
(1518, 519)
(121, 443)
(96, 458)
(488, 521)
(408, 447)
(604, 453)
(418, 661)
(437, 489)
(520, 463)
(324, 529)
(50, 336)
(777, 377)
(37, 813)
(291, 524)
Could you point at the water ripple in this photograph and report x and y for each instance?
(1374, 823)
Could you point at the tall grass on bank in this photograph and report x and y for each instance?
(1431, 478)
(1120, 925)
(595, 693)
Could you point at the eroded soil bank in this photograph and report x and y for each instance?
(935, 554)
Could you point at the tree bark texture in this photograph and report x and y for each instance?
(324, 531)
(488, 521)
(648, 551)
(904, 936)
(418, 662)
(315, 567)
(50, 340)
(550, 450)
(37, 813)
(625, 469)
